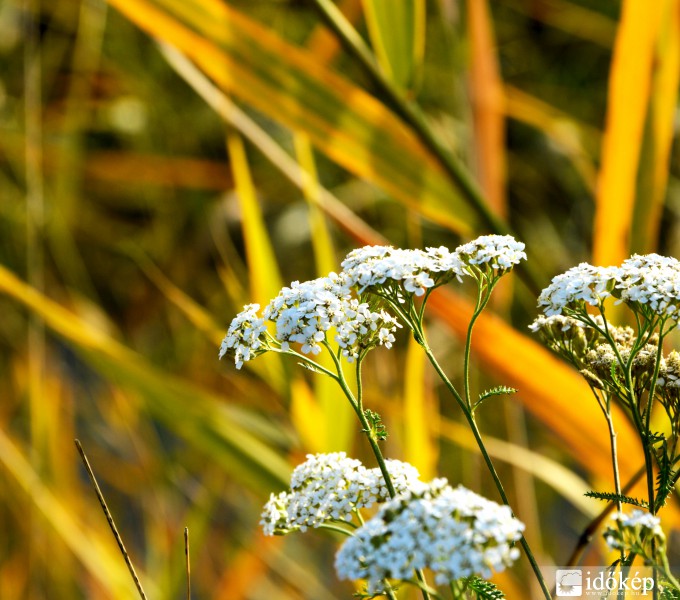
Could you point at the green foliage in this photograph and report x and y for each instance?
(377, 429)
(484, 590)
(612, 497)
(501, 390)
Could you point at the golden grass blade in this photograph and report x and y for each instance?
(420, 414)
(99, 558)
(323, 44)
(397, 31)
(284, 82)
(335, 421)
(265, 280)
(487, 105)
(629, 89)
(660, 133)
(222, 432)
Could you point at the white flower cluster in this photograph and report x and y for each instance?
(330, 487)
(304, 312)
(499, 252)
(364, 329)
(454, 532)
(555, 323)
(245, 337)
(415, 270)
(419, 270)
(632, 530)
(669, 371)
(652, 281)
(648, 283)
(581, 284)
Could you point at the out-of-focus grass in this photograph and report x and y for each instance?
(134, 224)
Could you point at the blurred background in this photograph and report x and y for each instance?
(164, 162)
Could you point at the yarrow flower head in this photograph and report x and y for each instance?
(245, 337)
(331, 487)
(454, 532)
(411, 271)
(580, 285)
(650, 283)
(638, 532)
(304, 312)
(498, 253)
(364, 329)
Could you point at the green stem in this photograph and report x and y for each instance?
(357, 405)
(336, 528)
(469, 416)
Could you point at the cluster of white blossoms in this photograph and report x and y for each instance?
(331, 487)
(647, 283)
(454, 532)
(651, 281)
(583, 284)
(499, 252)
(414, 270)
(364, 329)
(669, 371)
(304, 313)
(245, 337)
(633, 531)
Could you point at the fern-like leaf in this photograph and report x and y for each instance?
(497, 391)
(484, 590)
(666, 478)
(612, 497)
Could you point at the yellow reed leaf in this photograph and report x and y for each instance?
(420, 414)
(487, 105)
(629, 88)
(397, 31)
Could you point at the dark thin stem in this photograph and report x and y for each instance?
(187, 561)
(588, 533)
(109, 518)
(469, 416)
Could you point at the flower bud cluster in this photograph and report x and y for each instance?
(454, 532)
(638, 532)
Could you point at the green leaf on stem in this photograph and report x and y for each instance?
(377, 429)
(612, 497)
(497, 391)
(484, 590)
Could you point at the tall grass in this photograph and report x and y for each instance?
(164, 162)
